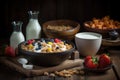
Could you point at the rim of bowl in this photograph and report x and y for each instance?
(93, 33)
(77, 27)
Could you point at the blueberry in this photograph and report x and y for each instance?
(114, 35)
(39, 44)
(51, 40)
(47, 40)
(37, 48)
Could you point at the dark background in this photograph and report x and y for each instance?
(77, 10)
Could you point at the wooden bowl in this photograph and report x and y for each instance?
(104, 32)
(46, 59)
(66, 34)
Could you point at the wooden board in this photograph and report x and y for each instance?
(39, 70)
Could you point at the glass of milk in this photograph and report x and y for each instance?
(88, 43)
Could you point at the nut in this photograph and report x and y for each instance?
(46, 73)
(52, 75)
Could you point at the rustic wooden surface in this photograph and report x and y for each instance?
(116, 60)
(112, 74)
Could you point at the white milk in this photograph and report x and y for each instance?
(88, 43)
(17, 35)
(87, 36)
(33, 29)
(16, 38)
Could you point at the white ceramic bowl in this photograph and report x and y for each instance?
(88, 43)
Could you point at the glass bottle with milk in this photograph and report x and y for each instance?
(33, 29)
(17, 35)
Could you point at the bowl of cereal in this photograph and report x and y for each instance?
(46, 51)
(102, 26)
(63, 29)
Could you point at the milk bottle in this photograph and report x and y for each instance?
(33, 29)
(17, 35)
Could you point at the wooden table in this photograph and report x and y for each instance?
(112, 74)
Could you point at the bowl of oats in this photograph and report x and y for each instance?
(46, 51)
(63, 29)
